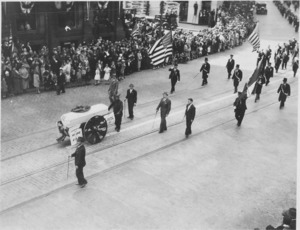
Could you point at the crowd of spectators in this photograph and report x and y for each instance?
(286, 12)
(24, 68)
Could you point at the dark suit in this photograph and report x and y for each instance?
(165, 107)
(295, 68)
(284, 90)
(174, 76)
(240, 103)
(117, 106)
(230, 65)
(205, 68)
(80, 163)
(61, 80)
(190, 112)
(258, 87)
(131, 99)
(269, 71)
(237, 77)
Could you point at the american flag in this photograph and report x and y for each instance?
(161, 49)
(136, 30)
(254, 38)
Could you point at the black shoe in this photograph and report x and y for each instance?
(118, 130)
(82, 186)
(239, 124)
(129, 117)
(160, 131)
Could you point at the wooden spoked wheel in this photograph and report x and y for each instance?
(95, 129)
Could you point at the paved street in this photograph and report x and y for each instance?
(221, 177)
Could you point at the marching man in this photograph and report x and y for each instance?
(284, 90)
(205, 68)
(237, 77)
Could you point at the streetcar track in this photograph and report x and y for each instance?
(113, 144)
(67, 185)
(106, 147)
(124, 123)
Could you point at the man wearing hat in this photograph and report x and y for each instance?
(295, 66)
(237, 77)
(284, 90)
(165, 107)
(230, 65)
(131, 96)
(79, 155)
(117, 106)
(61, 80)
(240, 107)
(205, 68)
(113, 88)
(174, 76)
(269, 72)
(190, 112)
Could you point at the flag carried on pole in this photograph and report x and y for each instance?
(254, 38)
(10, 40)
(161, 49)
(249, 86)
(136, 30)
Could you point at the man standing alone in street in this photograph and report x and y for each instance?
(165, 107)
(237, 77)
(284, 90)
(80, 162)
(190, 112)
(132, 98)
(230, 65)
(174, 76)
(117, 106)
(240, 107)
(205, 68)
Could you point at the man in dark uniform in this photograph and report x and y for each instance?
(284, 90)
(165, 107)
(295, 67)
(269, 71)
(230, 65)
(237, 77)
(117, 106)
(190, 112)
(240, 107)
(174, 76)
(132, 98)
(80, 162)
(113, 88)
(258, 87)
(278, 59)
(61, 81)
(205, 68)
(268, 54)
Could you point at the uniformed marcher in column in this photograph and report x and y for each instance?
(240, 107)
(61, 81)
(295, 67)
(269, 72)
(190, 113)
(237, 77)
(165, 107)
(117, 106)
(230, 65)
(268, 54)
(131, 97)
(278, 60)
(258, 87)
(205, 68)
(174, 76)
(284, 90)
(80, 162)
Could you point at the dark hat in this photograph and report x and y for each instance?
(176, 64)
(206, 59)
(190, 99)
(231, 55)
(166, 93)
(80, 139)
(284, 79)
(238, 65)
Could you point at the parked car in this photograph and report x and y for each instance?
(261, 8)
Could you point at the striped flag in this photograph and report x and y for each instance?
(254, 38)
(161, 49)
(136, 30)
(10, 40)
